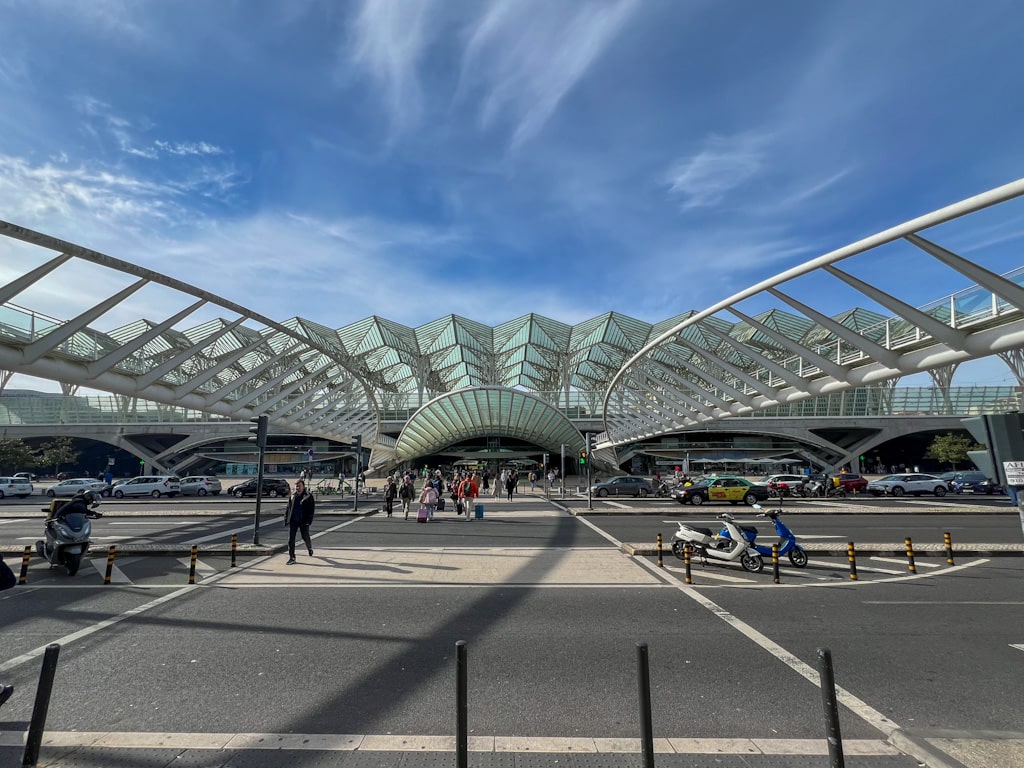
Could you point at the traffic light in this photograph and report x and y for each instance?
(590, 442)
(583, 458)
(260, 430)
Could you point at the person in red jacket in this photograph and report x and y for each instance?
(468, 491)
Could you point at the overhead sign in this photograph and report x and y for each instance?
(310, 453)
(1014, 472)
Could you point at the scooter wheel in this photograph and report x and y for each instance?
(798, 557)
(679, 549)
(752, 563)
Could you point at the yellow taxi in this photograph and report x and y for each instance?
(730, 489)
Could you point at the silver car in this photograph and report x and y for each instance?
(15, 486)
(623, 486)
(912, 483)
(74, 485)
(200, 485)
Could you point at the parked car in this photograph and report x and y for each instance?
(200, 485)
(26, 476)
(148, 485)
(623, 486)
(271, 487)
(15, 486)
(914, 484)
(731, 489)
(788, 479)
(972, 482)
(76, 484)
(853, 483)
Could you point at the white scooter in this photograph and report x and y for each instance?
(708, 545)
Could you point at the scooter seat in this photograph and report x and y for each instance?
(705, 531)
(749, 529)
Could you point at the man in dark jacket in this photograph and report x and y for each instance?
(299, 515)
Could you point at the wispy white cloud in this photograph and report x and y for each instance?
(526, 55)
(188, 148)
(723, 164)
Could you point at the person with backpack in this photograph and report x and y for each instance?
(468, 491)
(428, 499)
(406, 494)
(390, 492)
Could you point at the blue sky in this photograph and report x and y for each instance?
(413, 159)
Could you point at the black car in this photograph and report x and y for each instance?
(271, 487)
(973, 482)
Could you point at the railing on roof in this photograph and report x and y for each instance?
(31, 410)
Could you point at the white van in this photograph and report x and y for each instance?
(148, 485)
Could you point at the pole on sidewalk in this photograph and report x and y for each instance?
(25, 557)
(644, 684)
(687, 557)
(911, 566)
(110, 563)
(234, 548)
(948, 540)
(775, 564)
(661, 563)
(851, 554)
(461, 706)
(828, 698)
(42, 706)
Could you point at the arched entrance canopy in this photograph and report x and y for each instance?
(480, 411)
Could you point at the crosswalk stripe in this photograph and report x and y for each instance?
(836, 564)
(201, 567)
(117, 576)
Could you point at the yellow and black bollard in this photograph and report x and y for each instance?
(234, 548)
(686, 562)
(910, 556)
(25, 557)
(661, 564)
(110, 563)
(851, 554)
(949, 547)
(192, 564)
(775, 564)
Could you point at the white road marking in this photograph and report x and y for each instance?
(706, 574)
(1018, 646)
(839, 564)
(944, 602)
(614, 504)
(117, 576)
(903, 561)
(201, 567)
(165, 523)
(244, 529)
(6, 522)
(330, 742)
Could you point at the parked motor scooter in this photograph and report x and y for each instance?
(67, 531)
(816, 488)
(787, 540)
(711, 546)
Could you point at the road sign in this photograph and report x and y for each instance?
(309, 453)
(1014, 472)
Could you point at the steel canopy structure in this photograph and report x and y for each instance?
(481, 411)
(725, 361)
(454, 378)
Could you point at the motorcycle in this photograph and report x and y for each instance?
(67, 536)
(663, 490)
(816, 488)
(787, 540)
(710, 546)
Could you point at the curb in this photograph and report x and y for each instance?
(890, 549)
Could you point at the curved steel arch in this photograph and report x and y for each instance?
(709, 366)
(479, 411)
(294, 372)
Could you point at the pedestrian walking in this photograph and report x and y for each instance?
(510, 484)
(298, 517)
(406, 494)
(428, 499)
(468, 491)
(390, 492)
(533, 481)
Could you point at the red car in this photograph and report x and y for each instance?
(853, 483)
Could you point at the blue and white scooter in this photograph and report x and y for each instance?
(787, 540)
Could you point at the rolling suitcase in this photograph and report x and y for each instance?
(421, 515)
(479, 510)
(440, 503)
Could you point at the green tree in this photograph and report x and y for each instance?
(15, 455)
(951, 449)
(57, 452)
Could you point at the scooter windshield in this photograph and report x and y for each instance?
(76, 521)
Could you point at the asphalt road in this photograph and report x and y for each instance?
(337, 649)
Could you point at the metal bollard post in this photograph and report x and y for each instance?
(851, 554)
(41, 707)
(775, 564)
(234, 548)
(644, 684)
(461, 707)
(910, 556)
(192, 564)
(110, 563)
(25, 557)
(661, 563)
(949, 547)
(828, 697)
(686, 562)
